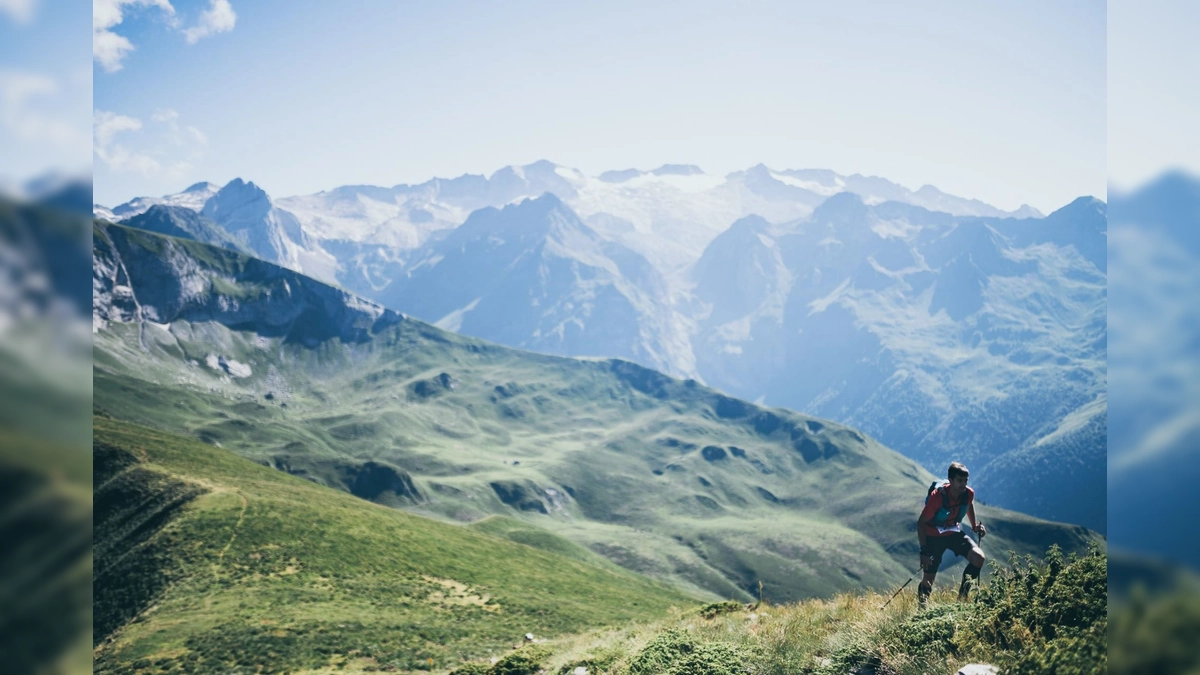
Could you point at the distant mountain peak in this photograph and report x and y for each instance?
(238, 192)
(1027, 211)
(1080, 205)
(677, 170)
(750, 222)
(202, 186)
(547, 201)
(842, 207)
(239, 184)
(619, 176)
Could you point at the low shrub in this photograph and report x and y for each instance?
(524, 661)
(715, 609)
(676, 652)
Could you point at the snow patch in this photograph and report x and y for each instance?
(692, 184)
(810, 185)
(230, 366)
(453, 321)
(821, 304)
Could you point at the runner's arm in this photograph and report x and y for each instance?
(925, 519)
(975, 524)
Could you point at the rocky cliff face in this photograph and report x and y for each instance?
(178, 279)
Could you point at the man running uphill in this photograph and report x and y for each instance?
(939, 529)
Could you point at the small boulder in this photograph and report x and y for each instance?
(977, 669)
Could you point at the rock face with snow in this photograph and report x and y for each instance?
(532, 275)
(179, 221)
(181, 281)
(192, 198)
(247, 213)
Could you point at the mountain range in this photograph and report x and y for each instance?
(661, 476)
(961, 333)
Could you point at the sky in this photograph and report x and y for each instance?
(1004, 103)
(1153, 100)
(45, 89)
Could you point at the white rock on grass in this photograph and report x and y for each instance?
(978, 669)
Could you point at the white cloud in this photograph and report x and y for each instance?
(105, 127)
(18, 92)
(164, 150)
(178, 134)
(21, 11)
(109, 48)
(220, 18)
(164, 115)
(197, 135)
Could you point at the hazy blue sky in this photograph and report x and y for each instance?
(1153, 100)
(1000, 101)
(45, 88)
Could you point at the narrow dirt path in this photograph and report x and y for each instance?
(232, 537)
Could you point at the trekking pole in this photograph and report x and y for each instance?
(900, 589)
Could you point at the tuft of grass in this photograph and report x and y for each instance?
(713, 609)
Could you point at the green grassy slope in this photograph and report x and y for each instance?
(1038, 617)
(207, 562)
(664, 477)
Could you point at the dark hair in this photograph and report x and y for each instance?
(957, 469)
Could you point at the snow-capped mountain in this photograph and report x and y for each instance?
(179, 221)
(668, 214)
(104, 213)
(239, 215)
(194, 198)
(247, 213)
(533, 275)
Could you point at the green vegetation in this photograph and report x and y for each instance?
(1036, 617)
(206, 562)
(1154, 618)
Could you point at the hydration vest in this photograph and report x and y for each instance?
(948, 515)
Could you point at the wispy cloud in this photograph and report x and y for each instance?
(105, 127)
(179, 135)
(219, 18)
(109, 48)
(165, 149)
(21, 11)
(19, 91)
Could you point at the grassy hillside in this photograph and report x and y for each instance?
(664, 477)
(1047, 616)
(206, 562)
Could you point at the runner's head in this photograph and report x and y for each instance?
(958, 475)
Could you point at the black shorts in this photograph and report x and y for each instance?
(956, 542)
